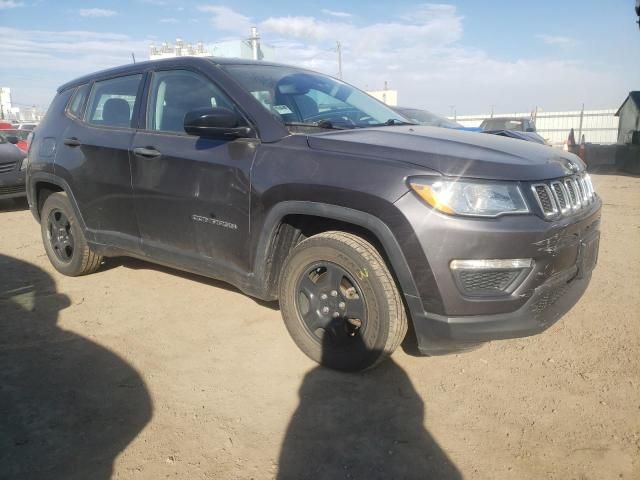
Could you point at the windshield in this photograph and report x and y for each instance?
(425, 117)
(21, 134)
(300, 97)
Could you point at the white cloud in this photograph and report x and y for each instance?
(423, 56)
(169, 20)
(335, 13)
(97, 12)
(6, 4)
(50, 58)
(227, 19)
(557, 40)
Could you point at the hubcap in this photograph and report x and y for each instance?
(330, 303)
(60, 236)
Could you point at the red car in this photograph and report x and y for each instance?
(22, 135)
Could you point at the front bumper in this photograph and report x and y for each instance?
(439, 334)
(564, 253)
(12, 184)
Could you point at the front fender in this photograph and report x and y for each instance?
(392, 248)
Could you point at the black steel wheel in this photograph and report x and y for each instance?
(64, 239)
(330, 303)
(59, 235)
(339, 302)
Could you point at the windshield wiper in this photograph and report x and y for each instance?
(325, 124)
(394, 121)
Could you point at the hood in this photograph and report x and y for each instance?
(453, 152)
(10, 153)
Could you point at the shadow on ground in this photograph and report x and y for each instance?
(68, 406)
(361, 426)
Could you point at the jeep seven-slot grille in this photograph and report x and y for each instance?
(565, 196)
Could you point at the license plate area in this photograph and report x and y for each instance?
(588, 254)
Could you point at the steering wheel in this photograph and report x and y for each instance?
(336, 118)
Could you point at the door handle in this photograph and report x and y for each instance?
(148, 152)
(72, 142)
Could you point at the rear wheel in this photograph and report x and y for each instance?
(63, 238)
(340, 303)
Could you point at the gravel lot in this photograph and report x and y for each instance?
(141, 372)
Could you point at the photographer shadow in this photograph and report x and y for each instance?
(366, 425)
(68, 406)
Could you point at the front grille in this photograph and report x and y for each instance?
(565, 196)
(487, 281)
(12, 189)
(7, 167)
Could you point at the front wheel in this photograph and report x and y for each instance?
(340, 303)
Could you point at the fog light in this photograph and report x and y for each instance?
(491, 264)
(490, 277)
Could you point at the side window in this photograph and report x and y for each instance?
(111, 101)
(174, 93)
(76, 104)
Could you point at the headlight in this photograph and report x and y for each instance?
(24, 164)
(470, 197)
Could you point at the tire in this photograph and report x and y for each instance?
(326, 283)
(63, 238)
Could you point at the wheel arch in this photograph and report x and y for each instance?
(275, 242)
(41, 185)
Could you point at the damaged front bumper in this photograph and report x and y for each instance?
(499, 303)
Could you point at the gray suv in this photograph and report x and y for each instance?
(295, 186)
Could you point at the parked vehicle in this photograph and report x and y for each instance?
(21, 136)
(512, 127)
(12, 168)
(425, 117)
(295, 186)
(27, 126)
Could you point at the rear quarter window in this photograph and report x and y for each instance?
(111, 103)
(76, 104)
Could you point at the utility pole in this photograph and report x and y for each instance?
(339, 50)
(581, 118)
(254, 40)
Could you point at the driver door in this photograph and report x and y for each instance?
(191, 193)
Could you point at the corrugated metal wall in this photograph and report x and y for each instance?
(598, 126)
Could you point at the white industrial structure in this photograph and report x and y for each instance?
(9, 111)
(251, 48)
(597, 126)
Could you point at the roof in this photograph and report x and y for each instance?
(140, 67)
(635, 98)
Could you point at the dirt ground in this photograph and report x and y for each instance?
(140, 372)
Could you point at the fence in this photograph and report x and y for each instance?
(598, 126)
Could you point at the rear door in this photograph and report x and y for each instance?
(192, 193)
(94, 155)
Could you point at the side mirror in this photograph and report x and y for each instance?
(530, 129)
(12, 139)
(215, 123)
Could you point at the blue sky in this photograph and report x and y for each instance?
(511, 55)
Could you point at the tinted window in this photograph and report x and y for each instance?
(111, 101)
(76, 105)
(174, 93)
